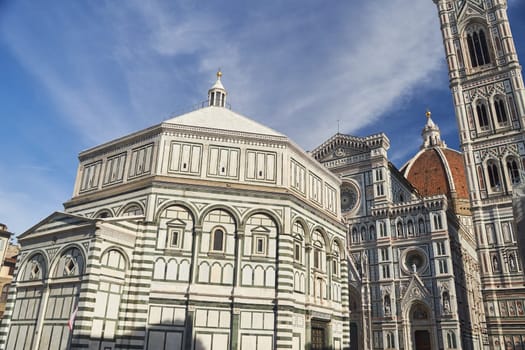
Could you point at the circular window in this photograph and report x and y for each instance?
(349, 197)
(414, 260)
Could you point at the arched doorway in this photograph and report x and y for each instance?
(421, 327)
(356, 319)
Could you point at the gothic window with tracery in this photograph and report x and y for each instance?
(421, 226)
(493, 173)
(501, 112)
(399, 229)
(513, 170)
(410, 228)
(372, 233)
(483, 116)
(451, 340)
(477, 47)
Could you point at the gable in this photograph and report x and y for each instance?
(340, 146)
(57, 222)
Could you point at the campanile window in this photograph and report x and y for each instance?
(477, 47)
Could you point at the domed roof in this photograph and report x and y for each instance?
(437, 169)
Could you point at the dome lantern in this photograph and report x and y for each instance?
(217, 93)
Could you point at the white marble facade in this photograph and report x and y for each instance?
(188, 235)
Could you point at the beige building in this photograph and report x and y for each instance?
(8, 254)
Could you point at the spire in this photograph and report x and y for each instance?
(217, 93)
(431, 134)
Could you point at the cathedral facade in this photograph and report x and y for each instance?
(211, 231)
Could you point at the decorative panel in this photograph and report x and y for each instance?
(114, 171)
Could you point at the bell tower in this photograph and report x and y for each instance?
(489, 101)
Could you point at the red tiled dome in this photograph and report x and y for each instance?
(438, 170)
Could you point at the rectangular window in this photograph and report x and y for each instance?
(297, 252)
(218, 240)
(335, 267)
(298, 177)
(223, 162)
(440, 248)
(259, 245)
(384, 254)
(175, 237)
(317, 259)
(261, 166)
(330, 201)
(185, 158)
(141, 160)
(114, 172)
(315, 188)
(90, 176)
(386, 271)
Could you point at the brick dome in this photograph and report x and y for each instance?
(437, 169)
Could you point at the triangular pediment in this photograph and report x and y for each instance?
(341, 146)
(261, 229)
(57, 222)
(176, 222)
(416, 290)
(470, 8)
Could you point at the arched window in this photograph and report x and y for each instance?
(495, 264)
(133, 210)
(451, 340)
(513, 170)
(363, 233)
(512, 263)
(410, 228)
(390, 341)
(483, 117)
(501, 112)
(399, 229)
(71, 263)
(446, 302)
(355, 237)
(387, 305)
(372, 233)
(217, 240)
(493, 173)
(382, 229)
(477, 47)
(438, 225)
(421, 226)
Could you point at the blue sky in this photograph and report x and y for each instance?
(75, 74)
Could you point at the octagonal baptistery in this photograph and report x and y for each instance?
(206, 231)
(437, 169)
